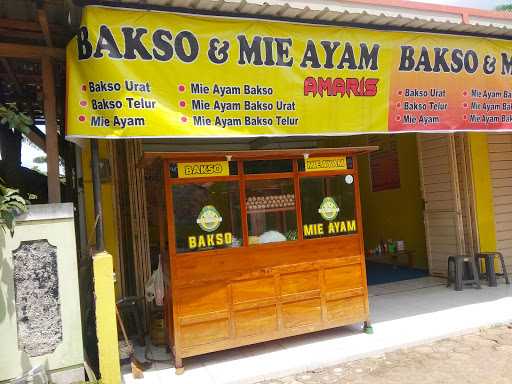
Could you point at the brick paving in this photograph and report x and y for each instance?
(483, 357)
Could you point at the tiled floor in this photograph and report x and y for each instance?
(405, 286)
(403, 314)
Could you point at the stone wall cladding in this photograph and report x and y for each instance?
(36, 285)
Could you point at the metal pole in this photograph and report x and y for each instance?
(96, 188)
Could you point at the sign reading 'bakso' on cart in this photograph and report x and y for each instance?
(135, 73)
(203, 169)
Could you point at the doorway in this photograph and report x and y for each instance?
(447, 192)
(417, 204)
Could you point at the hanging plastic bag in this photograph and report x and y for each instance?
(155, 286)
(159, 285)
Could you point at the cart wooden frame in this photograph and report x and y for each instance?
(224, 298)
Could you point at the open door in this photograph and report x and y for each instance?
(443, 217)
(500, 158)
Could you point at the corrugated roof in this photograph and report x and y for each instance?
(392, 14)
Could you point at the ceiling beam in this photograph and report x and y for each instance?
(38, 141)
(21, 51)
(38, 137)
(43, 22)
(21, 34)
(30, 26)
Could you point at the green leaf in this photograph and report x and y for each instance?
(12, 204)
(16, 120)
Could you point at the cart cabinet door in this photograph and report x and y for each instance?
(440, 188)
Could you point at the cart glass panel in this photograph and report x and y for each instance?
(271, 214)
(267, 166)
(328, 206)
(207, 216)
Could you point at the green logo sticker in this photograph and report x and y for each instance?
(209, 218)
(328, 209)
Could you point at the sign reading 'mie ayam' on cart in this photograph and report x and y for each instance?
(138, 74)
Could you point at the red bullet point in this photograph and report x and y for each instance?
(465, 117)
(84, 87)
(465, 93)
(398, 105)
(465, 105)
(83, 103)
(183, 119)
(181, 88)
(182, 104)
(81, 118)
(400, 93)
(397, 118)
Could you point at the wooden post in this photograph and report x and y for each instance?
(96, 190)
(52, 140)
(43, 22)
(139, 220)
(106, 326)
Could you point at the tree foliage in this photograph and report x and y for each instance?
(14, 119)
(504, 7)
(40, 159)
(12, 204)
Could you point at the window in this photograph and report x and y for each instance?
(328, 206)
(207, 216)
(267, 166)
(271, 214)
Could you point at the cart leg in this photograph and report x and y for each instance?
(367, 327)
(178, 364)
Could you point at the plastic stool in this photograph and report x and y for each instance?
(490, 271)
(128, 306)
(461, 265)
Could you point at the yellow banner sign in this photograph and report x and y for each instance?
(203, 169)
(135, 73)
(325, 164)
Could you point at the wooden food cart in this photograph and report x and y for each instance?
(262, 245)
